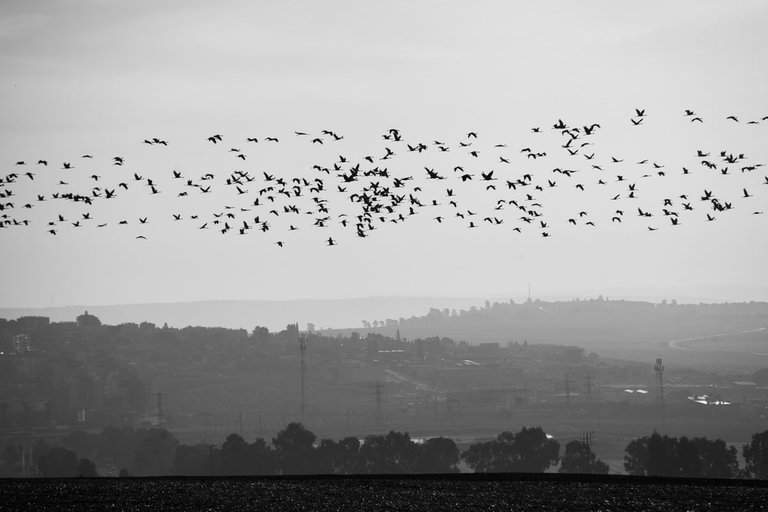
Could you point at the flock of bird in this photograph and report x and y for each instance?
(493, 185)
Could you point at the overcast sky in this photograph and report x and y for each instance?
(99, 76)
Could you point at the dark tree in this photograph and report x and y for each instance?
(536, 452)
(327, 453)
(482, 457)
(438, 455)
(58, 463)
(636, 457)
(688, 458)
(659, 455)
(197, 460)
(155, 454)
(662, 456)
(528, 451)
(234, 456)
(347, 452)
(579, 458)
(39, 450)
(394, 453)
(373, 458)
(117, 446)
(717, 459)
(756, 456)
(401, 453)
(82, 443)
(86, 469)
(339, 457)
(11, 462)
(261, 458)
(294, 450)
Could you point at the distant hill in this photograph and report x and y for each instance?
(594, 320)
(712, 334)
(243, 314)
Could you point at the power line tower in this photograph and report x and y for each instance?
(303, 349)
(588, 438)
(659, 369)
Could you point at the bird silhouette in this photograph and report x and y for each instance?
(370, 194)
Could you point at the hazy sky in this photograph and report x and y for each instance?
(100, 76)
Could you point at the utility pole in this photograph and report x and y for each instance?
(567, 390)
(240, 420)
(659, 369)
(589, 388)
(303, 349)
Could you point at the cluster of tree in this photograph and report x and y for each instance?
(44, 461)
(141, 452)
(295, 451)
(658, 455)
(531, 451)
(60, 462)
(528, 451)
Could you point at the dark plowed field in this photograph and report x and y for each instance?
(460, 492)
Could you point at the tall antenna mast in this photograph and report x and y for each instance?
(303, 349)
(659, 369)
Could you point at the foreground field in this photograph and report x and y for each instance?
(458, 492)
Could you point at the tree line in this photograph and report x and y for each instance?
(296, 450)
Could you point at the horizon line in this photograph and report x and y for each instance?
(651, 298)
